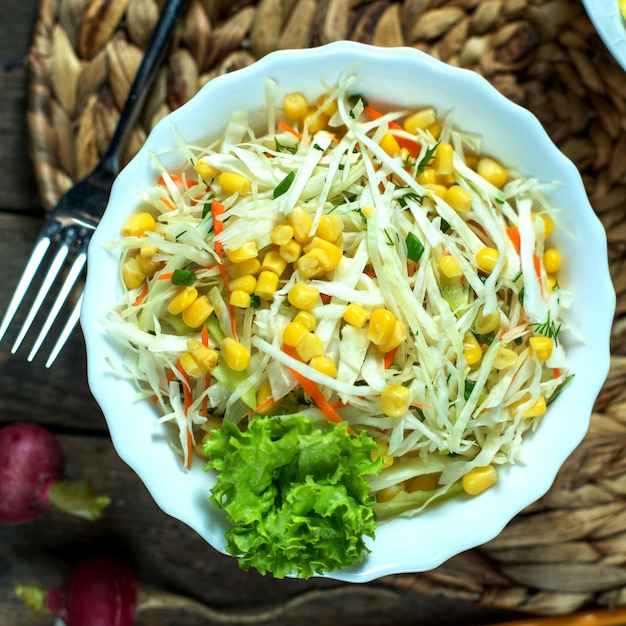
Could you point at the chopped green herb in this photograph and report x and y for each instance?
(426, 160)
(444, 227)
(183, 278)
(389, 238)
(469, 387)
(548, 329)
(557, 392)
(414, 248)
(284, 184)
(520, 296)
(282, 148)
(255, 301)
(180, 234)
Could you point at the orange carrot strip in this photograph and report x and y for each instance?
(142, 296)
(165, 276)
(537, 266)
(290, 129)
(413, 147)
(189, 449)
(389, 357)
(178, 181)
(168, 203)
(261, 407)
(514, 236)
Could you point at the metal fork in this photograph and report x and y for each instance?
(73, 220)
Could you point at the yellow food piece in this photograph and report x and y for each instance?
(138, 224)
(197, 312)
(355, 315)
(479, 479)
(236, 355)
(183, 299)
(395, 400)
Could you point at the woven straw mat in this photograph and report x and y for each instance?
(567, 551)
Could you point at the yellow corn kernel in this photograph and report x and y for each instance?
(190, 365)
(471, 349)
(399, 334)
(390, 144)
(274, 262)
(205, 357)
(266, 285)
(197, 312)
(332, 251)
(367, 210)
(309, 347)
(420, 120)
(459, 199)
(301, 223)
(329, 227)
(434, 129)
(383, 451)
(444, 159)
(239, 298)
(264, 393)
(232, 183)
(486, 259)
(552, 282)
(492, 172)
(395, 400)
(355, 315)
(303, 296)
(324, 365)
(296, 106)
(148, 252)
(248, 267)
(290, 251)
(293, 333)
(236, 355)
(381, 326)
(537, 409)
(427, 177)
(306, 319)
(316, 121)
(245, 282)
(505, 358)
(450, 267)
(541, 346)
(389, 493)
(328, 106)
(312, 264)
(132, 273)
(423, 482)
(485, 324)
(441, 191)
(148, 266)
(206, 171)
(548, 225)
(183, 299)
(138, 224)
(479, 479)
(243, 253)
(552, 261)
(281, 234)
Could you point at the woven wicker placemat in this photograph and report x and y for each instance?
(568, 550)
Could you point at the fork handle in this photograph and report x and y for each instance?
(154, 53)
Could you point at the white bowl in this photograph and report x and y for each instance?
(608, 21)
(403, 77)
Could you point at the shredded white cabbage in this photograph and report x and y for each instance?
(396, 227)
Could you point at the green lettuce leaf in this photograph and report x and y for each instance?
(295, 494)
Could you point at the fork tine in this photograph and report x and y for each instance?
(36, 256)
(68, 283)
(55, 267)
(72, 320)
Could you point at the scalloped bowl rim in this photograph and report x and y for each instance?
(609, 23)
(414, 78)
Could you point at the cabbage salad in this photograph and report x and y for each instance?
(352, 263)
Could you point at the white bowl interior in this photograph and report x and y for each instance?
(404, 77)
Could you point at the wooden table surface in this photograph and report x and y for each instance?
(164, 552)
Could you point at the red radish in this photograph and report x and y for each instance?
(32, 478)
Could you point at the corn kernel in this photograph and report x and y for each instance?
(329, 227)
(389, 493)
(232, 183)
(311, 264)
(245, 282)
(355, 315)
(328, 106)
(427, 177)
(290, 251)
(332, 251)
(548, 225)
(183, 299)
(306, 319)
(138, 224)
(471, 349)
(552, 261)
(441, 191)
(236, 355)
(247, 267)
(243, 253)
(553, 283)
(148, 266)
(132, 274)
(239, 298)
(197, 312)
(206, 171)
(293, 333)
(303, 296)
(296, 106)
(381, 326)
(485, 324)
(423, 482)
(505, 358)
(390, 144)
(479, 479)
(148, 252)
(399, 334)
(434, 129)
(492, 172)
(444, 159)
(301, 223)
(274, 262)
(281, 234)
(205, 357)
(266, 285)
(264, 396)
(486, 259)
(316, 121)
(324, 365)
(541, 346)
(190, 365)
(450, 267)
(383, 451)
(537, 409)
(367, 210)
(420, 120)
(395, 400)
(459, 199)
(309, 347)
